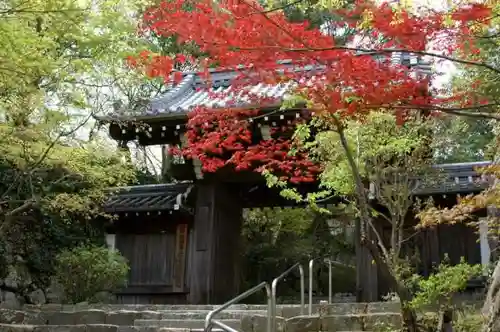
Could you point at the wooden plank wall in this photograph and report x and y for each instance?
(150, 256)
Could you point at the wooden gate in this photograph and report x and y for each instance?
(157, 266)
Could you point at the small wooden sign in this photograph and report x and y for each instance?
(181, 237)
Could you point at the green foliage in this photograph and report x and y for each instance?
(468, 321)
(61, 63)
(275, 239)
(378, 142)
(87, 270)
(470, 139)
(460, 139)
(316, 12)
(439, 288)
(34, 242)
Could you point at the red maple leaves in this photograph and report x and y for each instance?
(346, 81)
(221, 138)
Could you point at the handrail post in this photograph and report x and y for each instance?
(208, 321)
(330, 281)
(274, 285)
(270, 309)
(302, 290)
(311, 265)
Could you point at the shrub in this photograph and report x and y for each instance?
(439, 288)
(86, 271)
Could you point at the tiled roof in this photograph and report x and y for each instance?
(460, 178)
(190, 93)
(148, 198)
(193, 91)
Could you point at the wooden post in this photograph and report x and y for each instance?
(180, 257)
(111, 241)
(217, 231)
(484, 243)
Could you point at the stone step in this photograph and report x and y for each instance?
(283, 310)
(100, 328)
(92, 328)
(202, 314)
(124, 317)
(184, 323)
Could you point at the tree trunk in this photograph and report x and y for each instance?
(445, 321)
(491, 307)
(409, 318)
(409, 315)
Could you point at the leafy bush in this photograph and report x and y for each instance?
(87, 270)
(440, 287)
(469, 321)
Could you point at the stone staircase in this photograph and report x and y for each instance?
(191, 318)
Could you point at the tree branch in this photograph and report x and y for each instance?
(26, 206)
(385, 51)
(283, 7)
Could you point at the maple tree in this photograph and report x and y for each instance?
(348, 82)
(246, 36)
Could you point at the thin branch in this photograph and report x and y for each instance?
(26, 206)
(283, 7)
(61, 135)
(369, 51)
(462, 111)
(28, 11)
(401, 50)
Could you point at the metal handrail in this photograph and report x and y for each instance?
(209, 321)
(275, 285)
(330, 276)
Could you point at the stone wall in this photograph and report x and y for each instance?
(53, 294)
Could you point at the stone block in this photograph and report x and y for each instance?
(89, 317)
(16, 328)
(303, 324)
(60, 318)
(167, 329)
(185, 323)
(346, 309)
(35, 318)
(122, 318)
(381, 307)
(247, 324)
(44, 307)
(378, 321)
(148, 314)
(60, 328)
(9, 300)
(37, 297)
(101, 328)
(179, 314)
(259, 323)
(137, 329)
(9, 316)
(289, 312)
(341, 323)
(123, 328)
